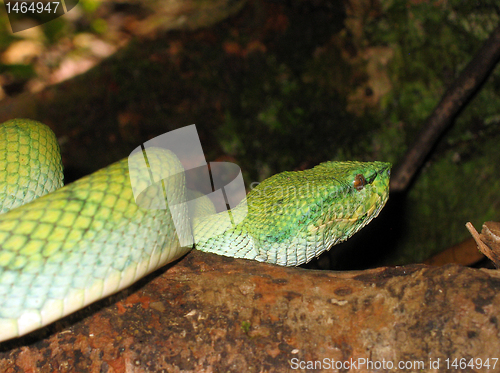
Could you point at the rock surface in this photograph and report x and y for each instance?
(207, 313)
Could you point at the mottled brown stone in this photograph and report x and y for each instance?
(216, 314)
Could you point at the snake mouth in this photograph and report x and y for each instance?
(364, 218)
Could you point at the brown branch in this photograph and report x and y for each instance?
(488, 241)
(211, 313)
(464, 253)
(461, 91)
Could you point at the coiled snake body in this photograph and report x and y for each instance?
(89, 239)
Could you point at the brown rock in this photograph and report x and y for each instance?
(215, 314)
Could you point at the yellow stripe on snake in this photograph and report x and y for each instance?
(89, 239)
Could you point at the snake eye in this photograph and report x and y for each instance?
(359, 182)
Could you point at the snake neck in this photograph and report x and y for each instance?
(293, 217)
(223, 233)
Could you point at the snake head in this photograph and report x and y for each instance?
(295, 216)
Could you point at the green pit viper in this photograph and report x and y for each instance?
(79, 243)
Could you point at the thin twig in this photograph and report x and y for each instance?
(455, 98)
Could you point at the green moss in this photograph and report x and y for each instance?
(245, 326)
(18, 71)
(432, 44)
(451, 191)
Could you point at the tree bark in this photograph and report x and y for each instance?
(462, 90)
(209, 313)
